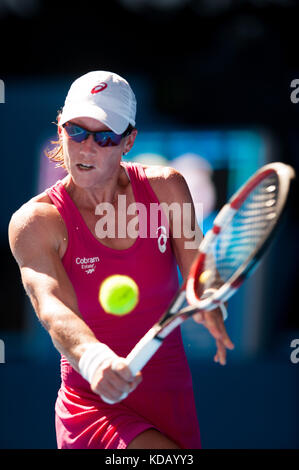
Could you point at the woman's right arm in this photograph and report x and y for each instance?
(35, 239)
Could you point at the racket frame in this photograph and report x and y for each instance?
(175, 315)
(285, 173)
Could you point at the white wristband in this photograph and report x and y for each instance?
(94, 355)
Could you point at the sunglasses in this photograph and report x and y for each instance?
(102, 138)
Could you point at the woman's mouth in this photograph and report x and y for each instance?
(84, 166)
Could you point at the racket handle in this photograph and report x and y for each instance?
(138, 357)
(143, 351)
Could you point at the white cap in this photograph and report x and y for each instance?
(104, 96)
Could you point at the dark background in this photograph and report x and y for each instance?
(193, 64)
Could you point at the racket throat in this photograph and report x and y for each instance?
(170, 326)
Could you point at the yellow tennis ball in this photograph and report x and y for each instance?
(203, 278)
(118, 294)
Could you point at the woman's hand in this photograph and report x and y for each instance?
(213, 321)
(113, 380)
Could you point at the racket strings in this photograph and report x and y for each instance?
(239, 238)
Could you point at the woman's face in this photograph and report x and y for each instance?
(88, 163)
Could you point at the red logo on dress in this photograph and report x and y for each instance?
(100, 87)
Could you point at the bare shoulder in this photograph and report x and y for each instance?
(31, 214)
(35, 225)
(160, 172)
(168, 183)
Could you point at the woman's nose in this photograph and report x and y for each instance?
(88, 145)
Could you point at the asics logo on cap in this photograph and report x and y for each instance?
(100, 87)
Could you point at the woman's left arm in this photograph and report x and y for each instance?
(186, 236)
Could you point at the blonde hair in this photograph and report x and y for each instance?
(55, 154)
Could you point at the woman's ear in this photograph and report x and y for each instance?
(130, 141)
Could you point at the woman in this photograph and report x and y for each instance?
(65, 251)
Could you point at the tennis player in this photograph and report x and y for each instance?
(64, 256)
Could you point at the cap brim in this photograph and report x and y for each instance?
(114, 121)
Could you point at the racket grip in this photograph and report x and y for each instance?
(143, 351)
(112, 402)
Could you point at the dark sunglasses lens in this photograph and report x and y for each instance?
(107, 139)
(76, 133)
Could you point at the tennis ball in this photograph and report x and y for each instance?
(203, 278)
(118, 294)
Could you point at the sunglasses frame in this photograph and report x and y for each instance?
(108, 134)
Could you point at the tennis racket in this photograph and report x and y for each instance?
(227, 255)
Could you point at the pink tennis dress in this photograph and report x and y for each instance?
(164, 399)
